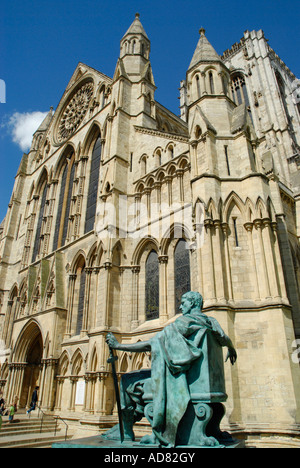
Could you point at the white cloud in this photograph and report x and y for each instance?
(23, 126)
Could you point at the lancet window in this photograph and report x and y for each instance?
(37, 240)
(93, 187)
(81, 294)
(152, 286)
(182, 272)
(64, 203)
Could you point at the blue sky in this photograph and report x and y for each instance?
(43, 41)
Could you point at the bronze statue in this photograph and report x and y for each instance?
(181, 396)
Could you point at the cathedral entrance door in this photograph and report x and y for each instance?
(32, 370)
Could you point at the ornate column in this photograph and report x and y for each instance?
(198, 227)
(48, 382)
(265, 280)
(280, 275)
(147, 191)
(179, 174)
(93, 304)
(50, 210)
(7, 322)
(59, 387)
(91, 379)
(194, 162)
(249, 229)
(107, 278)
(209, 284)
(271, 264)
(137, 212)
(72, 279)
(163, 307)
(135, 297)
(108, 137)
(168, 179)
(102, 392)
(73, 380)
(225, 229)
(84, 330)
(10, 381)
(15, 380)
(218, 257)
(157, 187)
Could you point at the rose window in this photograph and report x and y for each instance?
(75, 112)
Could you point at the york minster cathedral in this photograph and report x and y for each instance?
(121, 206)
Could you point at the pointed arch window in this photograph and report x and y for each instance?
(64, 203)
(198, 86)
(143, 161)
(81, 295)
(182, 272)
(282, 92)
(93, 187)
(36, 246)
(239, 90)
(152, 286)
(211, 83)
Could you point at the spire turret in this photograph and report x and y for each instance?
(204, 51)
(135, 41)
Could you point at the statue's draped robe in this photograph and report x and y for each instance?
(173, 352)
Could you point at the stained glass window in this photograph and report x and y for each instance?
(39, 225)
(93, 187)
(152, 286)
(182, 272)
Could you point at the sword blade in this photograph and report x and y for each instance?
(112, 360)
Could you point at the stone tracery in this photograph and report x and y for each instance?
(75, 112)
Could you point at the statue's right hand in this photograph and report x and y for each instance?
(112, 341)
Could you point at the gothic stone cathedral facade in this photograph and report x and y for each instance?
(120, 206)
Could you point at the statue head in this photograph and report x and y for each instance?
(191, 301)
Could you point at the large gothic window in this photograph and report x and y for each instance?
(93, 187)
(36, 246)
(182, 272)
(281, 87)
(152, 286)
(239, 90)
(64, 203)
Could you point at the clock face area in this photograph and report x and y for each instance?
(74, 112)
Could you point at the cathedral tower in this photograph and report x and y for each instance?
(121, 206)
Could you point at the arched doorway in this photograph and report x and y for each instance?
(32, 370)
(29, 352)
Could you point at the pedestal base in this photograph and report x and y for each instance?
(130, 446)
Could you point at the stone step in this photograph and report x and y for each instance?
(44, 440)
(26, 430)
(18, 424)
(30, 432)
